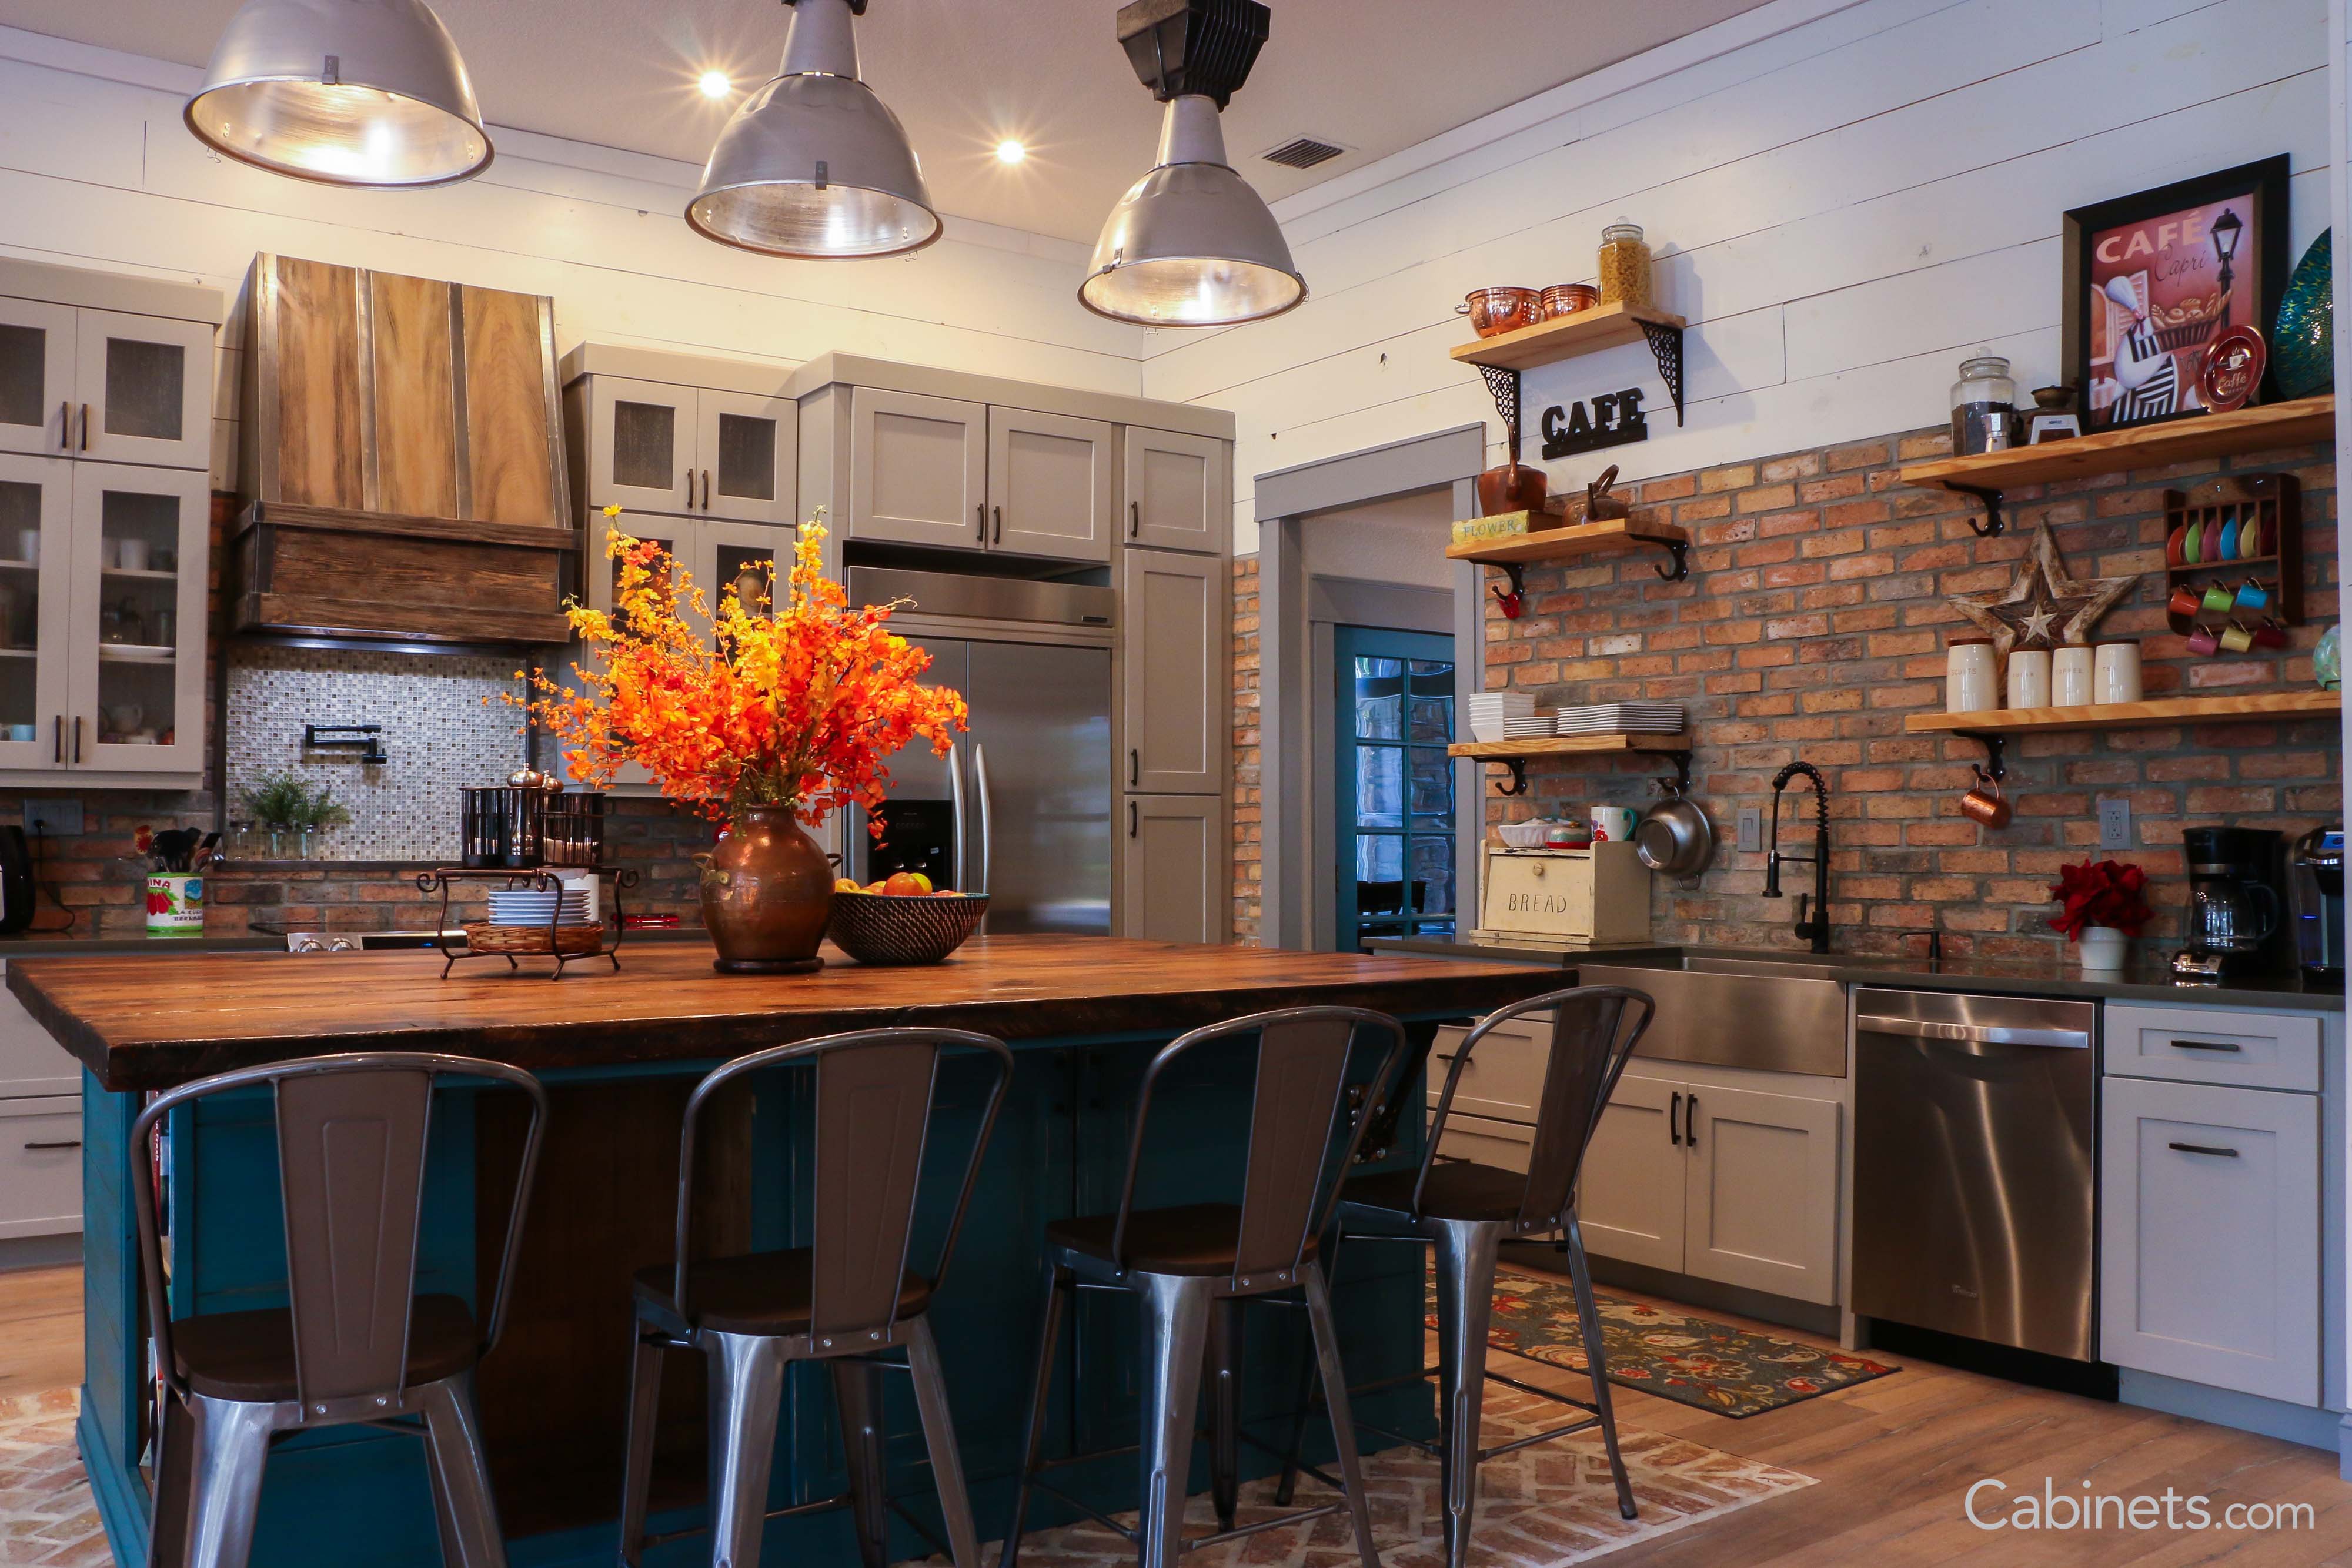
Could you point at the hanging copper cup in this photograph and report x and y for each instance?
(1985, 805)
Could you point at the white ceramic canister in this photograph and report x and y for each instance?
(1612, 823)
(2029, 677)
(1969, 667)
(2071, 681)
(2115, 671)
(175, 905)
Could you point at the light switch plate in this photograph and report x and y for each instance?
(1751, 827)
(2114, 825)
(58, 819)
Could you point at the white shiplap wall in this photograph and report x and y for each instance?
(97, 170)
(1843, 199)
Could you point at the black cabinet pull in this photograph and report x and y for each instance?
(981, 512)
(61, 734)
(1674, 1119)
(1000, 526)
(85, 427)
(1134, 518)
(76, 740)
(1131, 810)
(2203, 1149)
(2206, 1045)
(65, 427)
(705, 489)
(60, 1144)
(1690, 1121)
(1134, 767)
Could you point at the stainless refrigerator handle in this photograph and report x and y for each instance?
(955, 819)
(980, 783)
(1974, 1033)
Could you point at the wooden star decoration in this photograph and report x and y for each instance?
(2044, 605)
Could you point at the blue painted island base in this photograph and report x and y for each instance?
(554, 1395)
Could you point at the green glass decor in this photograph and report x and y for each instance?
(2327, 660)
(2303, 345)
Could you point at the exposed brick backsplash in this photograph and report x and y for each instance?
(1812, 622)
(1248, 803)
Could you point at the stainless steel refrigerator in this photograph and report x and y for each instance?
(1022, 808)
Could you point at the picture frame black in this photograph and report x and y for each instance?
(2261, 268)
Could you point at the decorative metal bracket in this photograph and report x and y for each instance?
(1680, 550)
(1666, 347)
(1993, 768)
(1516, 572)
(1992, 526)
(1518, 767)
(1504, 385)
(1680, 786)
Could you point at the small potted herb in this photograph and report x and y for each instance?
(293, 813)
(2102, 905)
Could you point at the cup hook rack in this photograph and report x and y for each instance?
(1518, 767)
(1992, 766)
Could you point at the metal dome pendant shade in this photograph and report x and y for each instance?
(813, 165)
(1190, 245)
(344, 92)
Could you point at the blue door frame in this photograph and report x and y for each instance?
(1393, 718)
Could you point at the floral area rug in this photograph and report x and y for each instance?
(1691, 1361)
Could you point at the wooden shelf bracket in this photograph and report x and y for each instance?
(1666, 347)
(1992, 526)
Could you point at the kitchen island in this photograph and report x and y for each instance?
(620, 1051)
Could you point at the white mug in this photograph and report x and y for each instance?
(130, 555)
(1614, 823)
(28, 545)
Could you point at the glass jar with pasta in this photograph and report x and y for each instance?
(1625, 265)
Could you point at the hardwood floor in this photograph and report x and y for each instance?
(1893, 1458)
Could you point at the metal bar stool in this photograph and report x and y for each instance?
(1464, 1211)
(1194, 1264)
(842, 1301)
(355, 1345)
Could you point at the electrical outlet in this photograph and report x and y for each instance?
(2114, 825)
(1751, 827)
(58, 819)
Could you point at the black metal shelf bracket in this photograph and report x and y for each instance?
(1680, 550)
(1504, 385)
(1518, 767)
(1680, 786)
(1992, 526)
(1517, 572)
(1666, 347)
(1993, 768)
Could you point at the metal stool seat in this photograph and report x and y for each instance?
(1194, 1264)
(1463, 1211)
(845, 1301)
(250, 1356)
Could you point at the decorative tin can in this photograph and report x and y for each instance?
(175, 905)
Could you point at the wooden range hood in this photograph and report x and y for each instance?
(402, 464)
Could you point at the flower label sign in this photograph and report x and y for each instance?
(1614, 419)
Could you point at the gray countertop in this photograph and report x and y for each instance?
(2143, 983)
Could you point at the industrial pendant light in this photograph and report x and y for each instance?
(1190, 245)
(346, 92)
(813, 165)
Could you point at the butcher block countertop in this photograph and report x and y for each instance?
(170, 1018)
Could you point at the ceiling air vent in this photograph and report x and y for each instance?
(1303, 153)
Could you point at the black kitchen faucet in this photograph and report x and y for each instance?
(1817, 929)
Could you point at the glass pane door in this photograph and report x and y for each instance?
(141, 390)
(138, 619)
(36, 377)
(680, 541)
(748, 448)
(640, 449)
(35, 565)
(1395, 810)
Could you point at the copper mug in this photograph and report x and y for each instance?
(1985, 805)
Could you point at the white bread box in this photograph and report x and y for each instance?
(1596, 894)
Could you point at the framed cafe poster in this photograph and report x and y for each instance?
(2152, 279)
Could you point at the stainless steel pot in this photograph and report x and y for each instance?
(1673, 837)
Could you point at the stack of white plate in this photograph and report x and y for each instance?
(1620, 718)
(1490, 710)
(1528, 728)
(528, 907)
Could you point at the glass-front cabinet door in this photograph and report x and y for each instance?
(136, 634)
(36, 566)
(681, 541)
(1395, 783)
(747, 454)
(36, 377)
(142, 391)
(641, 448)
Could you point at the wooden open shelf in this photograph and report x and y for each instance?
(1566, 745)
(1585, 332)
(1560, 544)
(2129, 716)
(2190, 440)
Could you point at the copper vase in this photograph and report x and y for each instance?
(767, 893)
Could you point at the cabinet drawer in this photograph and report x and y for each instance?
(1503, 1144)
(40, 1167)
(31, 1061)
(1506, 1075)
(2210, 1045)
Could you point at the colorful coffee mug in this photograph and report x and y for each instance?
(2219, 599)
(2202, 643)
(2271, 633)
(2184, 603)
(2253, 595)
(2236, 638)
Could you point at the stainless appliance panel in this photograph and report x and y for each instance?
(1041, 718)
(1002, 599)
(923, 827)
(1772, 1018)
(1975, 1167)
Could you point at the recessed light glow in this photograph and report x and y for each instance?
(1010, 151)
(714, 84)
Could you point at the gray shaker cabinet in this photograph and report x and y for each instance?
(1179, 491)
(1049, 485)
(1172, 868)
(917, 469)
(1176, 671)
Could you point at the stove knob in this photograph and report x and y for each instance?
(304, 944)
(343, 945)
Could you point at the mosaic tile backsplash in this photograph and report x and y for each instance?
(440, 736)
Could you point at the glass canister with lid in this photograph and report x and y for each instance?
(1625, 265)
(1984, 406)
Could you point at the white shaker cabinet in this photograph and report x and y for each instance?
(1178, 490)
(1049, 485)
(1173, 858)
(1176, 672)
(107, 385)
(659, 441)
(917, 469)
(40, 1127)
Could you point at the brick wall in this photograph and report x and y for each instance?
(1813, 621)
(1248, 801)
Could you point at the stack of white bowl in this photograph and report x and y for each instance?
(1491, 712)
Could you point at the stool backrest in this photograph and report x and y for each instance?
(353, 1132)
(875, 1091)
(1590, 1042)
(1300, 1095)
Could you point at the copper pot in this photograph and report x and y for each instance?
(1568, 299)
(1500, 309)
(1513, 487)
(767, 893)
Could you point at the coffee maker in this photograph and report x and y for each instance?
(2236, 922)
(2315, 888)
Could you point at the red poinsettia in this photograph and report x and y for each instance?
(2100, 892)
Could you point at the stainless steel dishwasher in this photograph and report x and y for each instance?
(1976, 1165)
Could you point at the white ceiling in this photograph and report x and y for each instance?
(1375, 76)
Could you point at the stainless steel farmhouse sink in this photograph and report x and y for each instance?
(1777, 1011)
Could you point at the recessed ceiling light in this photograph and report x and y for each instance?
(714, 84)
(1009, 151)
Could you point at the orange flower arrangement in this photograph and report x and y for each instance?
(795, 708)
